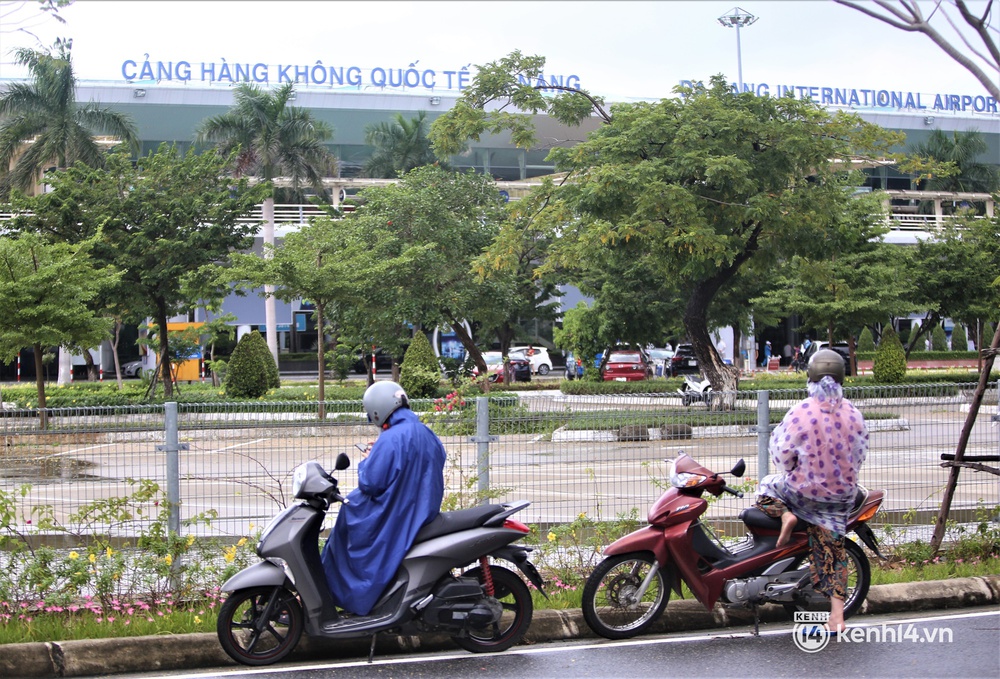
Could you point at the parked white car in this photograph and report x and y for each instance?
(541, 364)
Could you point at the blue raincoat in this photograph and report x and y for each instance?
(400, 488)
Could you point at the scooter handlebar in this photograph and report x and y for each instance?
(733, 491)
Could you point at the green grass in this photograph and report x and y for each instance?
(40, 622)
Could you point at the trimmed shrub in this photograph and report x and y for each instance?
(959, 340)
(865, 341)
(939, 340)
(420, 373)
(247, 375)
(889, 365)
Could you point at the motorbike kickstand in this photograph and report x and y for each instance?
(371, 650)
(756, 621)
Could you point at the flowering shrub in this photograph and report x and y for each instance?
(91, 579)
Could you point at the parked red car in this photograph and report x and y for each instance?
(627, 366)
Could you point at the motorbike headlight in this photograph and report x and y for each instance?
(684, 479)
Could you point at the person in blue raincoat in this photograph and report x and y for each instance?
(400, 488)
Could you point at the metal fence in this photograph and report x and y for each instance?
(569, 455)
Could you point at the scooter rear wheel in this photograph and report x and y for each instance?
(609, 606)
(514, 597)
(859, 580)
(260, 625)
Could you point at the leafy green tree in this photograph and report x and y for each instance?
(44, 293)
(889, 364)
(953, 272)
(699, 185)
(322, 263)
(45, 113)
(581, 333)
(248, 373)
(399, 146)
(425, 232)
(959, 338)
(856, 285)
(420, 375)
(513, 260)
(161, 218)
(271, 139)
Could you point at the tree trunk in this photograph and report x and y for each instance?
(320, 359)
(470, 347)
(724, 379)
(963, 440)
(270, 313)
(43, 415)
(161, 322)
(88, 360)
(115, 337)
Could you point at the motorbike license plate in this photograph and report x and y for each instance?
(691, 364)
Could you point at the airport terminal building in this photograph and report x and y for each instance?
(167, 101)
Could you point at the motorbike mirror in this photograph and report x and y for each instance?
(739, 468)
(343, 462)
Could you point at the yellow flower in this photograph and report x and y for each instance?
(197, 620)
(242, 542)
(583, 515)
(229, 553)
(169, 559)
(108, 552)
(190, 540)
(251, 526)
(74, 555)
(92, 558)
(551, 536)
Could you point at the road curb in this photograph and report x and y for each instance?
(193, 651)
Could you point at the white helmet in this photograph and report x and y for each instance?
(382, 399)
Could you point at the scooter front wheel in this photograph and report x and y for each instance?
(260, 625)
(611, 605)
(515, 599)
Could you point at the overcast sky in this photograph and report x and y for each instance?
(620, 50)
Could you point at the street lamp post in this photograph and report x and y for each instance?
(737, 18)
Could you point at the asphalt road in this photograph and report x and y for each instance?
(965, 644)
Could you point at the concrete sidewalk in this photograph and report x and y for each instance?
(193, 651)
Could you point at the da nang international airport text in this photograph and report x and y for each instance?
(414, 78)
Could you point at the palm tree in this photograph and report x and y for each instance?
(962, 149)
(44, 127)
(274, 139)
(400, 146)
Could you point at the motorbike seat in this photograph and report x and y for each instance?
(755, 518)
(452, 522)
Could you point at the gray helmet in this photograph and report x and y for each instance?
(382, 399)
(826, 362)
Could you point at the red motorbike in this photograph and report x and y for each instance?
(629, 589)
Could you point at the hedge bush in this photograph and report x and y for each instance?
(889, 366)
(959, 339)
(420, 373)
(865, 341)
(248, 374)
(939, 340)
